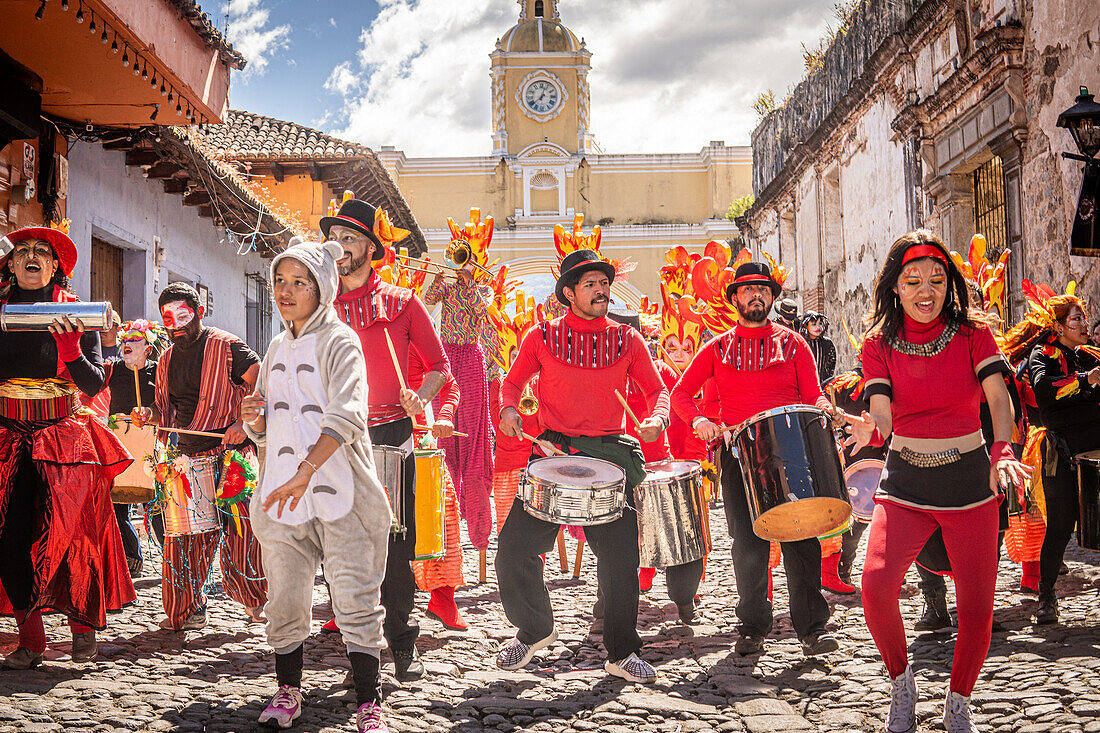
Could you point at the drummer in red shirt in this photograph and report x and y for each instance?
(756, 366)
(580, 358)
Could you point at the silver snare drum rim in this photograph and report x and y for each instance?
(560, 503)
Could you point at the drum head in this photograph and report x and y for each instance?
(578, 472)
(803, 519)
(1091, 456)
(672, 469)
(862, 479)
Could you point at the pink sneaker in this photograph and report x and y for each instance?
(283, 709)
(369, 719)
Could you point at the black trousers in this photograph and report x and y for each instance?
(130, 541)
(683, 581)
(801, 560)
(27, 491)
(399, 585)
(522, 540)
(849, 544)
(1060, 491)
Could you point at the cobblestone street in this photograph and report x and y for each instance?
(219, 679)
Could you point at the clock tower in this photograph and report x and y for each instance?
(539, 73)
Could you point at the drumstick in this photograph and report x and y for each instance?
(549, 447)
(456, 433)
(633, 417)
(396, 363)
(200, 433)
(668, 358)
(137, 388)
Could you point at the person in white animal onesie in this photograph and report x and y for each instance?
(319, 500)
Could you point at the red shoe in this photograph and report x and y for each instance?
(769, 586)
(442, 607)
(830, 580)
(330, 627)
(645, 578)
(1029, 580)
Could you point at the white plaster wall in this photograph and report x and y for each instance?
(117, 204)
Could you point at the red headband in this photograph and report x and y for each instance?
(923, 250)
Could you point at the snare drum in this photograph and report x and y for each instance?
(794, 482)
(1088, 497)
(573, 490)
(431, 534)
(135, 484)
(862, 479)
(189, 504)
(673, 523)
(389, 464)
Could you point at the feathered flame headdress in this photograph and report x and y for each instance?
(510, 330)
(566, 242)
(476, 233)
(395, 272)
(1037, 295)
(989, 277)
(847, 380)
(676, 295)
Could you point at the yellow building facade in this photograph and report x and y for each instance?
(544, 167)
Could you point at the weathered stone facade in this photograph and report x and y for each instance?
(886, 135)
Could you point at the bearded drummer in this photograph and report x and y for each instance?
(581, 358)
(756, 366)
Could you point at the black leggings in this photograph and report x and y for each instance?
(28, 490)
(1060, 491)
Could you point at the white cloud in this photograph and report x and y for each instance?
(667, 75)
(249, 33)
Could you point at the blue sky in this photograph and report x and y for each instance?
(667, 75)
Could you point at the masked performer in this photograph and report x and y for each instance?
(462, 326)
(938, 472)
(1066, 384)
(375, 309)
(132, 376)
(581, 359)
(319, 500)
(201, 380)
(59, 550)
(757, 366)
(814, 326)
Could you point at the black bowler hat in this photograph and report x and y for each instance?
(576, 264)
(624, 315)
(752, 273)
(358, 215)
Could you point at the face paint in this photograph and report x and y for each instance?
(134, 351)
(176, 315)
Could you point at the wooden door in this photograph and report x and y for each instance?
(107, 273)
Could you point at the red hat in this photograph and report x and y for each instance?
(63, 247)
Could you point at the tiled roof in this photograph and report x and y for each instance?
(247, 136)
(199, 20)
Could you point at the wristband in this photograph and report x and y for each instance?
(308, 463)
(876, 441)
(1001, 451)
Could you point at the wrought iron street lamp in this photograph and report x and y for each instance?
(1083, 122)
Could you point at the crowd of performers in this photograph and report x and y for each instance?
(379, 433)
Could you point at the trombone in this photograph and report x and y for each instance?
(459, 254)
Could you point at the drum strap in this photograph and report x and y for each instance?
(622, 450)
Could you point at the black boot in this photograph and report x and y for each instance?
(936, 616)
(1047, 613)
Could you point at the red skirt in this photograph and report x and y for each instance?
(79, 562)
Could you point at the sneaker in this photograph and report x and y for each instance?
(749, 644)
(956, 714)
(407, 665)
(903, 703)
(645, 578)
(817, 644)
(194, 622)
(284, 708)
(369, 719)
(517, 655)
(632, 669)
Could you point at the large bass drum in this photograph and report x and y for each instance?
(673, 524)
(573, 490)
(1088, 487)
(794, 482)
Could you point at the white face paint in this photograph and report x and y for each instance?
(176, 315)
(134, 352)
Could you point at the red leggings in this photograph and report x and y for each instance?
(896, 535)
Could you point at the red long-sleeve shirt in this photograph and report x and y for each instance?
(378, 308)
(511, 453)
(580, 364)
(682, 440)
(656, 450)
(754, 369)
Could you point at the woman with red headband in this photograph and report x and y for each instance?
(927, 361)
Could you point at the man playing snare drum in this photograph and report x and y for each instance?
(759, 365)
(580, 358)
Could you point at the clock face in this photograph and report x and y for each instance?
(541, 96)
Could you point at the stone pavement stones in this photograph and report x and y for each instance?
(220, 678)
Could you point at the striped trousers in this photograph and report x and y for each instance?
(505, 487)
(188, 559)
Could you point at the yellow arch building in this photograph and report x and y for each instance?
(545, 166)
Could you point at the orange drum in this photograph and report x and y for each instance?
(135, 484)
(430, 528)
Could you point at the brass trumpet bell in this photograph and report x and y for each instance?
(528, 403)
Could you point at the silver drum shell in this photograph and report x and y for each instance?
(673, 521)
(96, 316)
(582, 506)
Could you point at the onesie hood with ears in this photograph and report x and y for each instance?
(320, 258)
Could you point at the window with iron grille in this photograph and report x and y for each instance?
(258, 312)
(989, 206)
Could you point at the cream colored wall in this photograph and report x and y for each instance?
(432, 198)
(643, 198)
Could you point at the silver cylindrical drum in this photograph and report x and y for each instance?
(96, 316)
(673, 523)
(389, 466)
